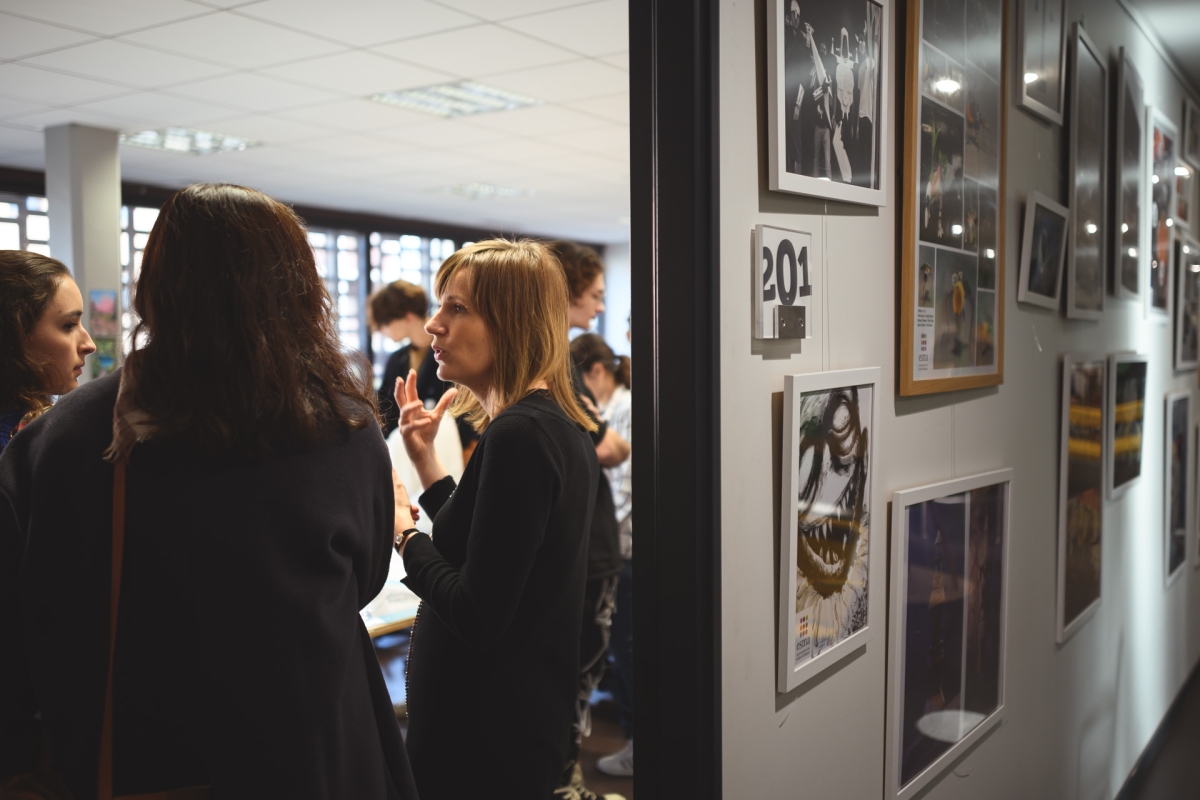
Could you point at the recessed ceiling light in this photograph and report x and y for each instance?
(486, 191)
(187, 140)
(456, 99)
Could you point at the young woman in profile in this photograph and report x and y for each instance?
(42, 340)
(502, 579)
(258, 521)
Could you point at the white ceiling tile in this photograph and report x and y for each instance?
(597, 140)
(65, 116)
(443, 133)
(594, 29)
(13, 108)
(576, 80)
(619, 60)
(493, 10)
(253, 92)
(234, 40)
(119, 62)
(518, 150)
(361, 23)
(107, 18)
(39, 85)
(614, 107)
(158, 110)
(536, 121)
(18, 140)
(358, 115)
(270, 129)
(477, 51)
(350, 145)
(22, 37)
(357, 73)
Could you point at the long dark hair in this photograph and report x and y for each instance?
(28, 282)
(589, 348)
(241, 353)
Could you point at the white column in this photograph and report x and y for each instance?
(83, 187)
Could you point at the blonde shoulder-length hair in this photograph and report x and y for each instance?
(520, 291)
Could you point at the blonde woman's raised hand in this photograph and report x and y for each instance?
(419, 427)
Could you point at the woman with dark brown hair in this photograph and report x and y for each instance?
(42, 340)
(258, 521)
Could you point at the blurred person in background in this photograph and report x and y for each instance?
(585, 283)
(607, 377)
(42, 340)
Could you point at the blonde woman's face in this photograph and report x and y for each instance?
(59, 340)
(462, 345)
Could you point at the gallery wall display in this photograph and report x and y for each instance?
(831, 554)
(1129, 170)
(952, 285)
(1042, 57)
(1043, 251)
(1162, 141)
(1187, 304)
(1191, 132)
(1177, 499)
(828, 75)
(947, 624)
(783, 291)
(1183, 196)
(1126, 415)
(1086, 264)
(1080, 490)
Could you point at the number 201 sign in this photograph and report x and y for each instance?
(783, 292)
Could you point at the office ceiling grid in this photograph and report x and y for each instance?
(295, 74)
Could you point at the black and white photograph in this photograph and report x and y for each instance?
(1043, 251)
(941, 214)
(828, 80)
(827, 535)
(1126, 420)
(1041, 57)
(982, 111)
(1129, 169)
(1163, 141)
(946, 652)
(1191, 132)
(1088, 179)
(1177, 499)
(1187, 305)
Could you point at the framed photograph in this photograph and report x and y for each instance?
(1042, 57)
(1191, 132)
(1089, 179)
(1126, 407)
(1162, 143)
(783, 291)
(952, 285)
(1080, 490)
(1177, 498)
(1129, 171)
(828, 76)
(948, 619)
(1187, 304)
(1043, 251)
(1183, 196)
(830, 550)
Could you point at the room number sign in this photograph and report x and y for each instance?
(783, 291)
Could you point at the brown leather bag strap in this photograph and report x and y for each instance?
(104, 779)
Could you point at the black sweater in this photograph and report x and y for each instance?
(241, 661)
(494, 656)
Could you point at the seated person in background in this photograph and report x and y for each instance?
(259, 520)
(399, 311)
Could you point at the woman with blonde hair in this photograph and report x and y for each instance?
(502, 579)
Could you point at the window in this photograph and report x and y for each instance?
(24, 224)
(136, 222)
(341, 258)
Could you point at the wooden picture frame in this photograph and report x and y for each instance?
(1043, 251)
(1042, 80)
(1177, 484)
(953, 219)
(1162, 148)
(832, 546)
(1129, 177)
(954, 561)
(862, 58)
(1187, 304)
(1087, 266)
(1125, 418)
(1080, 491)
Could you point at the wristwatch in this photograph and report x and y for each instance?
(402, 537)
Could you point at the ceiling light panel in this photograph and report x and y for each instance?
(460, 99)
(187, 141)
(487, 191)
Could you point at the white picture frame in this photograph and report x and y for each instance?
(1050, 26)
(839, 157)
(906, 777)
(858, 580)
(1129, 187)
(1177, 510)
(1047, 225)
(1125, 387)
(1087, 261)
(1187, 304)
(774, 248)
(1081, 450)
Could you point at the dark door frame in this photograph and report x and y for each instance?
(675, 333)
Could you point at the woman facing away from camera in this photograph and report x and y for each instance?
(258, 520)
(502, 579)
(42, 340)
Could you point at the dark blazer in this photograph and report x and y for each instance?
(502, 583)
(241, 661)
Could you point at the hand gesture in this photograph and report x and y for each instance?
(419, 426)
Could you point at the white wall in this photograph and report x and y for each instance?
(1078, 714)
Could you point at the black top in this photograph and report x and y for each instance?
(241, 661)
(604, 544)
(502, 583)
(429, 387)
